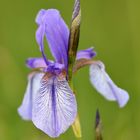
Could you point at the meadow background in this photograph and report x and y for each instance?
(112, 27)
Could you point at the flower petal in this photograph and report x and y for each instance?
(25, 110)
(39, 17)
(55, 68)
(56, 32)
(40, 38)
(105, 86)
(55, 106)
(36, 63)
(86, 54)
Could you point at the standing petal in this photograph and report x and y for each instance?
(86, 54)
(55, 106)
(39, 18)
(105, 86)
(56, 32)
(40, 38)
(25, 110)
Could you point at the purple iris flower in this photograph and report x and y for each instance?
(49, 101)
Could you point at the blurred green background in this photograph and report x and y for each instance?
(113, 27)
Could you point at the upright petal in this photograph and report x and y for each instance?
(39, 18)
(105, 86)
(86, 54)
(56, 32)
(55, 106)
(25, 110)
(40, 40)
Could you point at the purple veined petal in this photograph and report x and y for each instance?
(57, 33)
(105, 86)
(25, 109)
(55, 106)
(86, 54)
(36, 63)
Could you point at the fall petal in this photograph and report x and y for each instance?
(105, 86)
(55, 106)
(25, 110)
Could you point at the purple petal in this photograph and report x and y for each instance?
(105, 86)
(52, 67)
(25, 110)
(36, 63)
(55, 67)
(55, 107)
(40, 15)
(86, 54)
(40, 40)
(56, 32)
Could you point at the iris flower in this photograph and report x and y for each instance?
(49, 102)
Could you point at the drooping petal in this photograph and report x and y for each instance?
(36, 63)
(105, 86)
(25, 110)
(86, 54)
(56, 32)
(55, 106)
